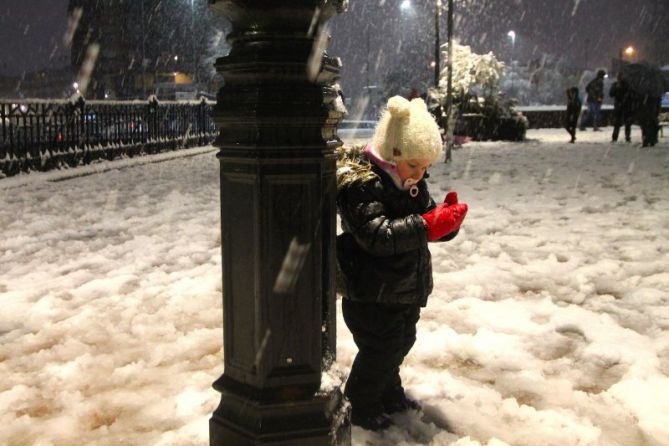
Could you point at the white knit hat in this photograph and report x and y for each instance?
(407, 131)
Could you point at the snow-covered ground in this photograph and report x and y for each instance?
(549, 323)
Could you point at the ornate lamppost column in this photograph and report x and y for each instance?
(278, 223)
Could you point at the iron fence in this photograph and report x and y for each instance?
(47, 134)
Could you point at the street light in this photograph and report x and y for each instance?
(437, 64)
(629, 51)
(192, 39)
(141, 5)
(512, 36)
(449, 85)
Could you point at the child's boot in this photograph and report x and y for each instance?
(400, 405)
(370, 421)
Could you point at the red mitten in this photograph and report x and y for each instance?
(451, 198)
(444, 219)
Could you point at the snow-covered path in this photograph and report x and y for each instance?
(549, 324)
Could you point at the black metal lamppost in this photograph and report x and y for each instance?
(278, 224)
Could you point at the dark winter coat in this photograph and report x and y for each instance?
(573, 107)
(620, 93)
(647, 113)
(383, 254)
(595, 90)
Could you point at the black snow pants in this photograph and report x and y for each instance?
(384, 335)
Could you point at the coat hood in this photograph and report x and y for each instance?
(353, 166)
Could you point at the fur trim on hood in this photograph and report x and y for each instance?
(353, 166)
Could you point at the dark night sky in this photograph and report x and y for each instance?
(31, 35)
(588, 33)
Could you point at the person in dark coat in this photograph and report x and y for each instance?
(574, 105)
(648, 112)
(595, 92)
(384, 264)
(622, 108)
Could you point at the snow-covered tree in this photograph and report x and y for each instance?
(471, 70)
(476, 80)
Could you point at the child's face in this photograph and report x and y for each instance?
(412, 168)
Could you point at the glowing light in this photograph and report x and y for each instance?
(406, 4)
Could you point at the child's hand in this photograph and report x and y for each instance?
(444, 219)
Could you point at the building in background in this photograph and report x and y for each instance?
(46, 83)
(145, 47)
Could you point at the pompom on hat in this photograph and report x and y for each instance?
(407, 130)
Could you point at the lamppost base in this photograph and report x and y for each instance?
(241, 421)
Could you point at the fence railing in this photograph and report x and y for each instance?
(47, 134)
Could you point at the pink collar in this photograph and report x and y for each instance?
(373, 156)
(391, 169)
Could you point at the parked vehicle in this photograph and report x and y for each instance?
(349, 130)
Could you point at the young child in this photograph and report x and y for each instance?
(387, 217)
(573, 112)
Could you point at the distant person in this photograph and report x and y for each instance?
(388, 217)
(595, 92)
(574, 105)
(648, 112)
(622, 107)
